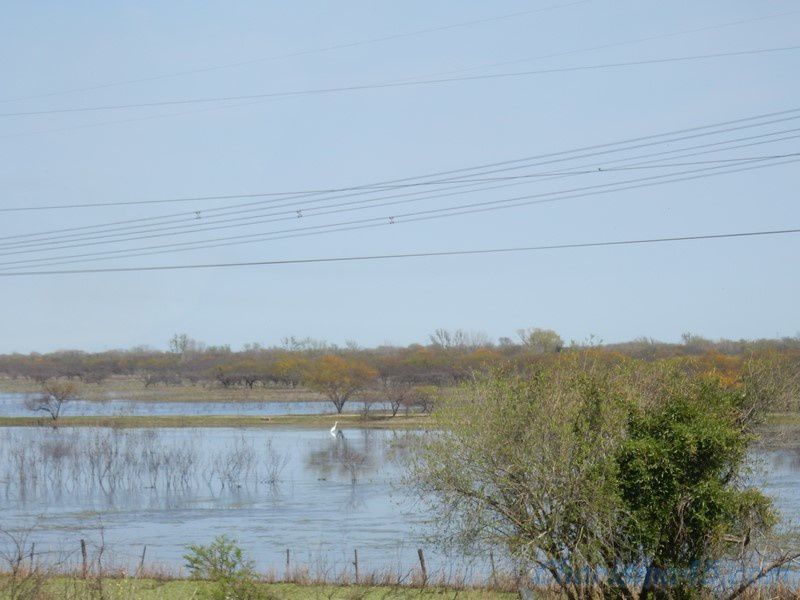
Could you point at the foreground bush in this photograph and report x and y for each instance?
(223, 564)
(624, 479)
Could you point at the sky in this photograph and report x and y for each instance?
(84, 54)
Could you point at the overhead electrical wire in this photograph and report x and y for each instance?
(471, 178)
(689, 177)
(485, 251)
(400, 84)
(447, 72)
(368, 203)
(391, 37)
(97, 124)
(30, 240)
(399, 218)
(311, 51)
(783, 116)
(617, 44)
(470, 172)
(200, 225)
(38, 239)
(41, 241)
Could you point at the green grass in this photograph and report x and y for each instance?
(126, 588)
(353, 421)
(150, 589)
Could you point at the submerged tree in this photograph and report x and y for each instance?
(55, 394)
(625, 479)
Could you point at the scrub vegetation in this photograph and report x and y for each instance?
(407, 378)
(593, 470)
(617, 479)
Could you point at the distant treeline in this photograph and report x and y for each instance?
(448, 358)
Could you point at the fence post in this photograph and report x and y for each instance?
(422, 566)
(355, 562)
(286, 575)
(494, 569)
(85, 566)
(33, 553)
(141, 560)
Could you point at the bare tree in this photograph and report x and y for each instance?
(55, 394)
(421, 397)
(459, 339)
(396, 392)
(183, 345)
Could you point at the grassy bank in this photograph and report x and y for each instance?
(127, 388)
(152, 589)
(127, 588)
(351, 421)
(781, 430)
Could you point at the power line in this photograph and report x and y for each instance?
(451, 71)
(347, 226)
(38, 239)
(415, 83)
(422, 215)
(617, 44)
(782, 117)
(32, 239)
(705, 128)
(307, 52)
(113, 235)
(690, 176)
(293, 213)
(346, 45)
(630, 242)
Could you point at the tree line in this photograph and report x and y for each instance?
(400, 376)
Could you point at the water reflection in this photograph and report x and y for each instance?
(320, 496)
(169, 487)
(13, 405)
(341, 456)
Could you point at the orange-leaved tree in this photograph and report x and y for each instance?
(338, 378)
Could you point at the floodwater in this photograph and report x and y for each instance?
(319, 496)
(275, 489)
(13, 405)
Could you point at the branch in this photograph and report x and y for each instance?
(785, 559)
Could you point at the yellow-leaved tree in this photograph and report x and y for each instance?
(338, 378)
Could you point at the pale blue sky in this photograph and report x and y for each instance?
(731, 288)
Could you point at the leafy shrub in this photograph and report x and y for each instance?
(223, 563)
(628, 480)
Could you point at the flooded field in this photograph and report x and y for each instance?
(317, 495)
(13, 405)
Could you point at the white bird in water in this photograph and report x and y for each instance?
(334, 431)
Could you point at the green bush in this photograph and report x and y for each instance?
(223, 563)
(628, 480)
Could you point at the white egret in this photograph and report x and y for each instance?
(334, 431)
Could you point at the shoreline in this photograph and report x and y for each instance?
(133, 390)
(351, 421)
